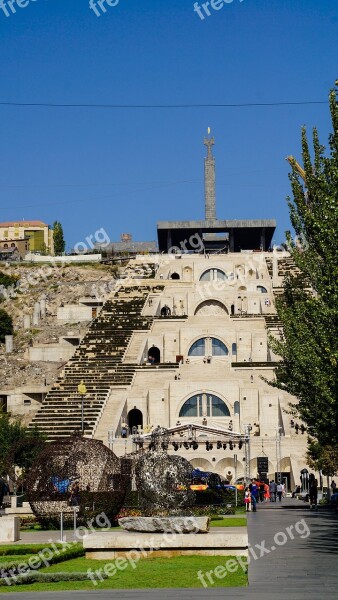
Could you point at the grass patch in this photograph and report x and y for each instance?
(229, 522)
(176, 572)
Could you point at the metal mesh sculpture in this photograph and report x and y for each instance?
(163, 480)
(79, 473)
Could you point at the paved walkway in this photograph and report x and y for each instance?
(302, 565)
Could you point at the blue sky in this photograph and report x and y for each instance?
(126, 169)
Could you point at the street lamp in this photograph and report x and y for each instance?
(82, 390)
(278, 454)
(247, 429)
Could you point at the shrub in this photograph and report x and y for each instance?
(36, 577)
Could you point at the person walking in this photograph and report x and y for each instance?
(273, 490)
(280, 491)
(267, 492)
(261, 491)
(333, 486)
(313, 492)
(3, 490)
(247, 500)
(254, 489)
(75, 495)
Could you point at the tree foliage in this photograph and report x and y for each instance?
(19, 445)
(6, 325)
(309, 305)
(323, 458)
(7, 280)
(59, 242)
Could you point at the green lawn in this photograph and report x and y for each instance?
(229, 522)
(174, 572)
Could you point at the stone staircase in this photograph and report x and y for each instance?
(135, 347)
(98, 363)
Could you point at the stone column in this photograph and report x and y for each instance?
(43, 307)
(26, 322)
(36, 313)
(9, 343)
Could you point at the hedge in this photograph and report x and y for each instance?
(70, 553)
(36, 577)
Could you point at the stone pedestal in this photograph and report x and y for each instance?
(9, 529)
(233, 541)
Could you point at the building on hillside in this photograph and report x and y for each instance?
(182, 343)
(127, 245)
(14, 249)
(39, 235)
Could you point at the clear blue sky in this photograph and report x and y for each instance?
(126, 169)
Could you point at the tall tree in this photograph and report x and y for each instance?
(6, 324)
(59, 241)
(19, 445)
(308, 308)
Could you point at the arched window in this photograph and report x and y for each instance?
(234, 349)
(204, 405)
(218, 348)
(175, 276)
(198, 348)
(236, 407)
(262, 289)
(213, 275)
(209, 346)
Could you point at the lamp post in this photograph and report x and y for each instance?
(82, 390)
(278, 454)
(247, 429)
(235, 469)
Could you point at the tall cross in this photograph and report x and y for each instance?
(209, 142)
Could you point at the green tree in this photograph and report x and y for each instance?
(6, 325)
(59, 242)
(19, 445)
(7, 280)
(308, 308)
(323, 458)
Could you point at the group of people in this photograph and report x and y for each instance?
(259, 491)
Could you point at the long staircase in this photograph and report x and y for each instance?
(98, 363)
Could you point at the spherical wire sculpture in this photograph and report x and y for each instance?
(79, 474)
(163, 480)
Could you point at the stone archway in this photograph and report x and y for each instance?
(135, 419)
(225, 467)
(202, 464)
(212, 308)
(155, 354)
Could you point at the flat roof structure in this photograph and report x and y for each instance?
(217, 234)
(236, 235)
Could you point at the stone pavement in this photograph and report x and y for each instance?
(303, 567)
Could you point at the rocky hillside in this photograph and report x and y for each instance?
(60, 286)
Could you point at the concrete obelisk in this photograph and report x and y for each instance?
(209, 179)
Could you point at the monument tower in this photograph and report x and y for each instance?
(209, 180)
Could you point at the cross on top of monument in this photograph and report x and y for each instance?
(209, 142)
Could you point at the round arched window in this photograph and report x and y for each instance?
(208, 346)
(204, 405)
(262, 289)
(213, 275)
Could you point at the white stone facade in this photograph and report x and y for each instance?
(223, 304)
